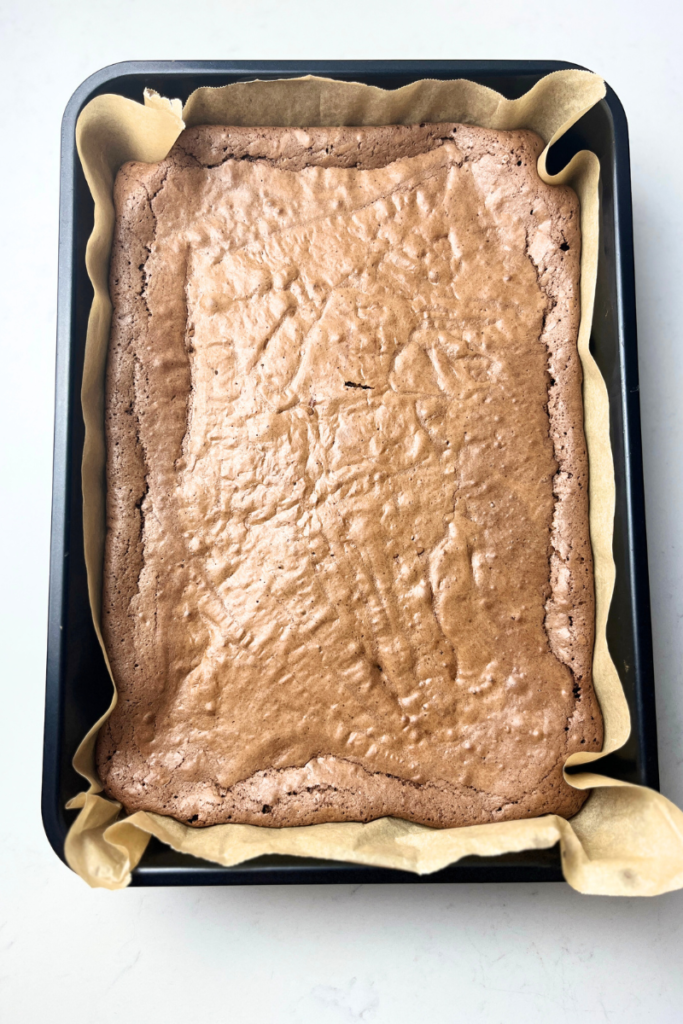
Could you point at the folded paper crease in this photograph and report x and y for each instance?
(626, 840)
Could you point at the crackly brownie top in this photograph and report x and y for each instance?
(347, 510)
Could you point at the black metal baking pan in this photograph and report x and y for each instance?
(78, 686)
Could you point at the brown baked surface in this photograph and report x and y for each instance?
(347, 568)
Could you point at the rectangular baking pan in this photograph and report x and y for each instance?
(78, 686)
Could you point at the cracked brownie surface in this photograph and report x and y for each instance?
(347, 567)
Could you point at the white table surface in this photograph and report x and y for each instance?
(497, 953)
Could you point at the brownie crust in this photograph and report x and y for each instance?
(347, 564)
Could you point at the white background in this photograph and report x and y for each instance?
(497, 953)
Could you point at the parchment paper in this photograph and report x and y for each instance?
(626, 840)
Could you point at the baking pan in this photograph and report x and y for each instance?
(78, 685)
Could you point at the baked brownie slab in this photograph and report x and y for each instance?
(347, 569)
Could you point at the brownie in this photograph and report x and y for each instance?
(347, 567)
